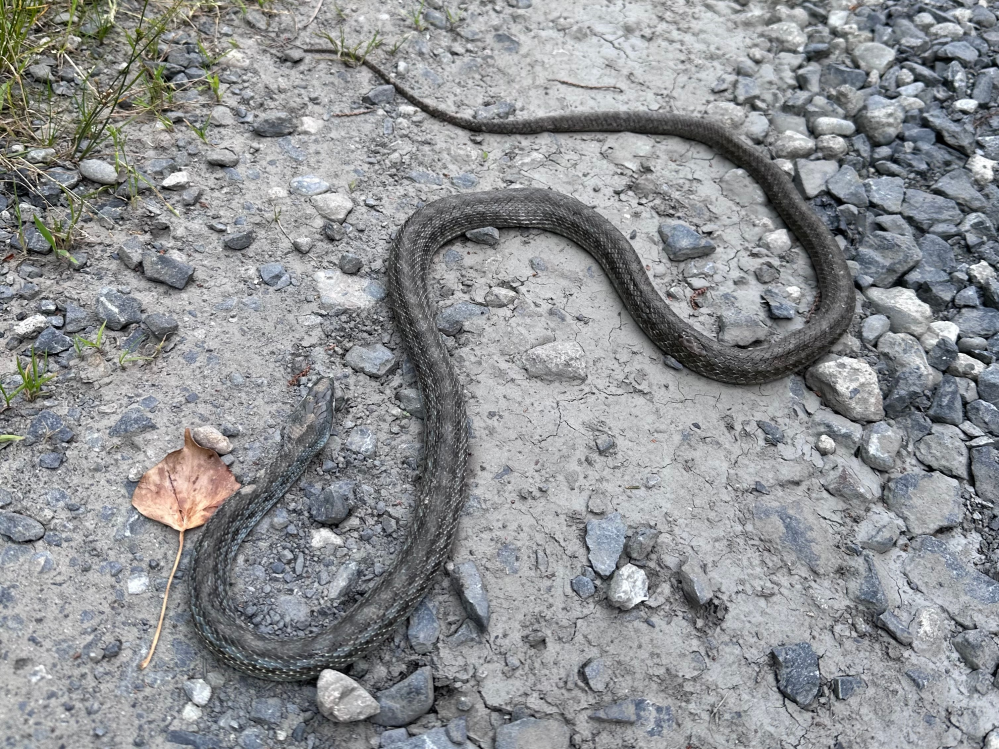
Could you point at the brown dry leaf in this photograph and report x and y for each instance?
(183, 490)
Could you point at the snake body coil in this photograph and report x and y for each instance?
(435, 516)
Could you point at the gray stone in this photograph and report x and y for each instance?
(960, 51)
(985, 416)
(332, 505)
(350, 264)
(267, 710)
(978, 650)
(403, 703)
(792, 145)
(605, 541)
(99, 171)
(985, 469)
(379, 95)
(487, 235)
(274, 125)
(925, 209)
(880, 120)
(160, 325)
(20, 529)
(628, 587)
(240, 239)
(559, 361)
(968, 596)
(118, 310)
(51, 341)
(847, 186)
(894, 626)
(467, 582)
(959, 186)
(879, 446)
(777, 305)
(878, 531)
(342, 699)
(583, 586)
(435, 738)
(641, 543)
(532, 733)
(927, 502)
(423, 629)
(954, 134)
(946, 407)
(842, 478)
(797, 671)
(411, 401)
(849, 386)
(684, 243)
(696, 584)
(737, 328)
(886, 257)
(844, 432)
(810, 177)
(222, 157)
(944, 450)
(903, 354)
(907, 313)
(198, 691)
(309, 185)
(343, 583)
(872, 56)
(886, 193)
(450, 320)
(980, 322)
(844, 687)
(867, 589)
(166, 269)
(333, 206)
(274, 275)
(374, 361)
(75, 318)
(362, 440)
(133, 422)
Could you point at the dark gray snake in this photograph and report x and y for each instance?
(435, 515)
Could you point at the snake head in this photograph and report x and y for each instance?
(312, 419)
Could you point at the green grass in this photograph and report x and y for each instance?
(81, 344)
(33, 380)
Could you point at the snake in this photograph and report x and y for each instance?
(429, 537)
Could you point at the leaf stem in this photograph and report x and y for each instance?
(166, 595)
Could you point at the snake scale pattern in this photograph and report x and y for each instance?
(435, 516)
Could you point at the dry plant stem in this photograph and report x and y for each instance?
(166, 596)
(586, 86)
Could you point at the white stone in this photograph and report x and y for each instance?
(137, 584)
(198, 691)
(342, 699)
(213, 439)
(176, 181)
(776, 241)
(833, 126)
(965, 106)
(29, 327)
(333, 206)
(792, 145)
(628, 149)
(825, 445)
(982, 169)
(561, 361)
(310, 125)
(936, 331)
(946, 30)
(980, 273)
(323, 537)
(628, 588)
(907, 312)
(831, 146)
(191, 713)
(337, 290)
(966, 366)
(871, 56)
(849, 386)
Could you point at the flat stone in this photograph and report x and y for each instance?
(487, 235)
(379, 95)
(879, 446)
(51, 341)
(450, 320)
(133, 422)
(985, 469)
(879, 531)
(362, 440)
(583, 586)
(737, 328)
(959, 186)
(374, 361)
(333, 206)
(99, 171)
(342, 699)
(160, 325)
(811, 176)
(886, 193)
(605, 541)
(981, 322)
(532, 733)
(403, 703)
(849, 386)
(947, 407)
(19, 528)
(894, 626)
(872, 56)
(268, 710)
(166, 269)
(558, 361)
(435, 738)
(222, 157)
(954, 134)
(339, 290)
(844, 687)
(925, 209)
(867, 589)
(628, 587)
(597, 674)
(847, 186)
(239, 240)
(944, 450)
(309, 185)
(968, 596)
(797, 671)
(467, 582)
(927, 502)
(274, 125)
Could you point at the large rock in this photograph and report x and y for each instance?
(559, 361)
(926, 209)
(342, 699)
(971, 598)
(338, 290)
(628, 588)
(738, 328)
(907, 313)
(605, 540)
(20, 528)
(403, 703)
(849, 386)
(683, 242)
(886, 257)
(927, 502)
(943, 450)
(880, 120)
(797, 670)
(810, 177)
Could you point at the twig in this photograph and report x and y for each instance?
(584, 85)
(166, 595)
(352, 114)
(314, 14)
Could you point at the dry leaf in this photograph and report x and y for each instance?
(183, 490)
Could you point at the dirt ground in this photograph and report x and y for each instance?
(690, 458)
